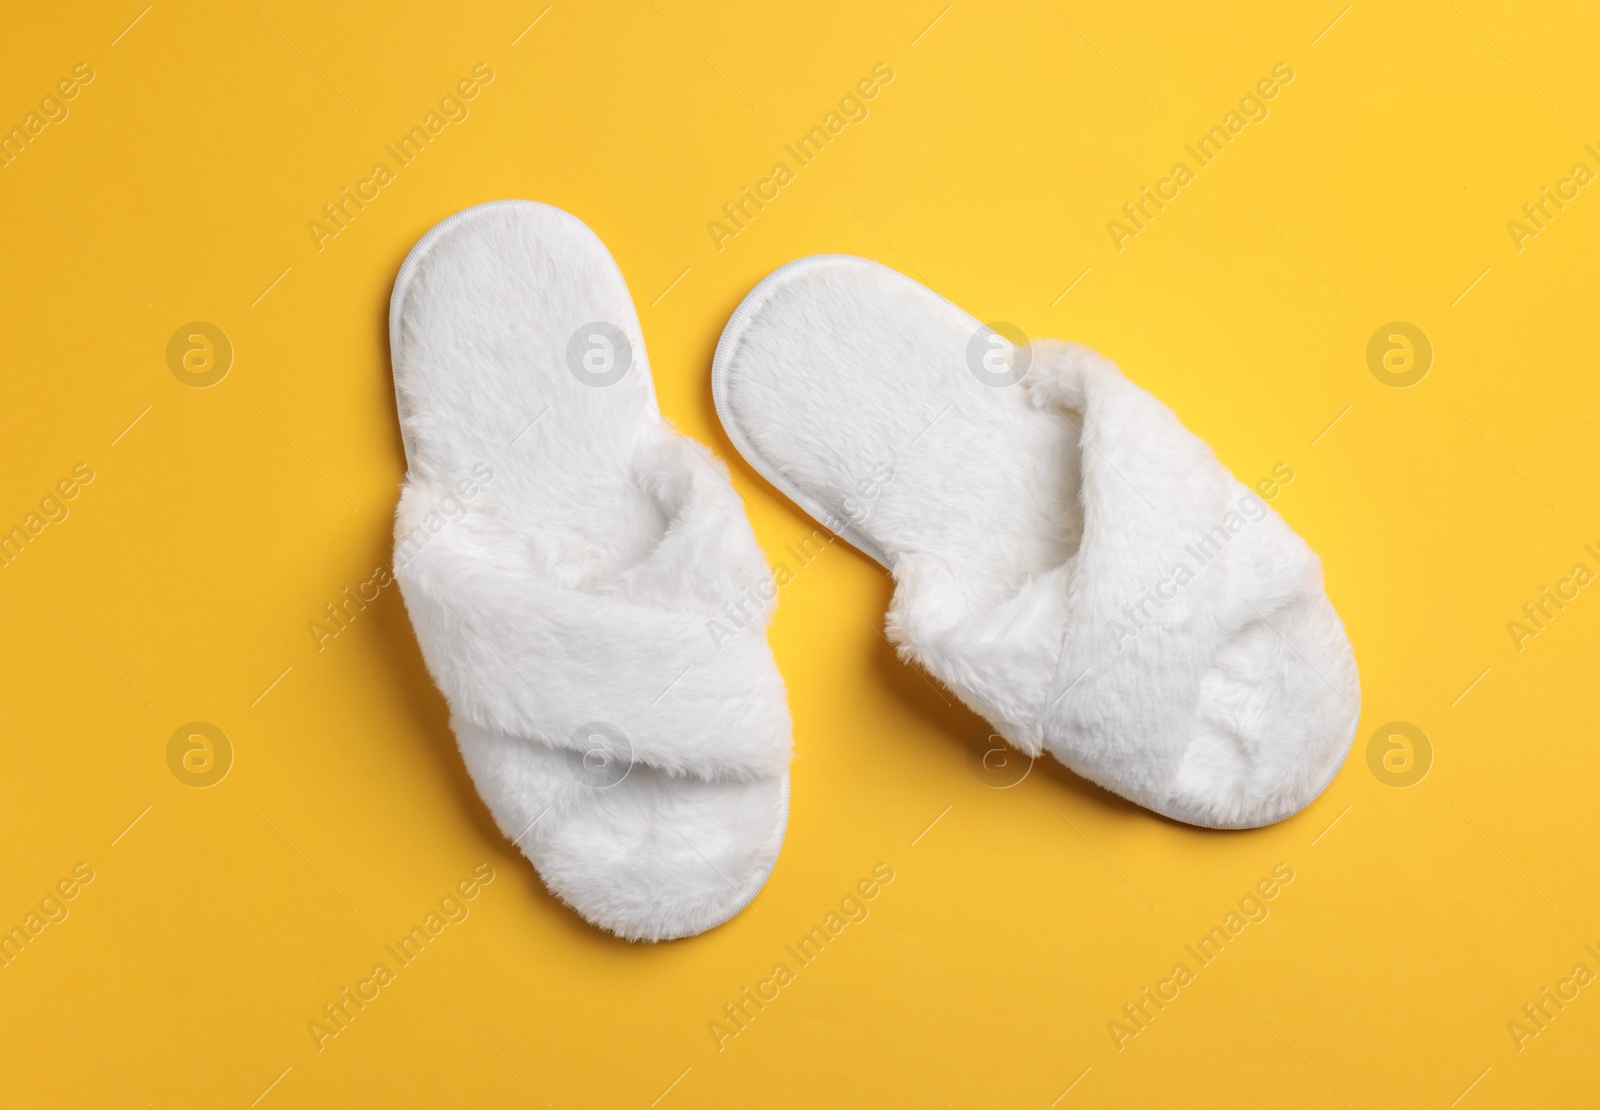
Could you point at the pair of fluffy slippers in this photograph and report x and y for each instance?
(1067, 558)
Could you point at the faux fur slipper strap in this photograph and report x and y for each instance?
(562, 552)
(1068, 558)
(533, 658)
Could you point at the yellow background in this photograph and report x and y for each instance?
(1017, 926)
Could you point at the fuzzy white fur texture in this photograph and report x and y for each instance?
(1034, 531)
(562, 552)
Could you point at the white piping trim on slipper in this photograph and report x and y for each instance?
(732, 335)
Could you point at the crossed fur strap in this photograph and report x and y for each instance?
(531, 658)
(1102, 659)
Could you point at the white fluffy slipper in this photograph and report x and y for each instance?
(563, 552)
(1067, 557)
